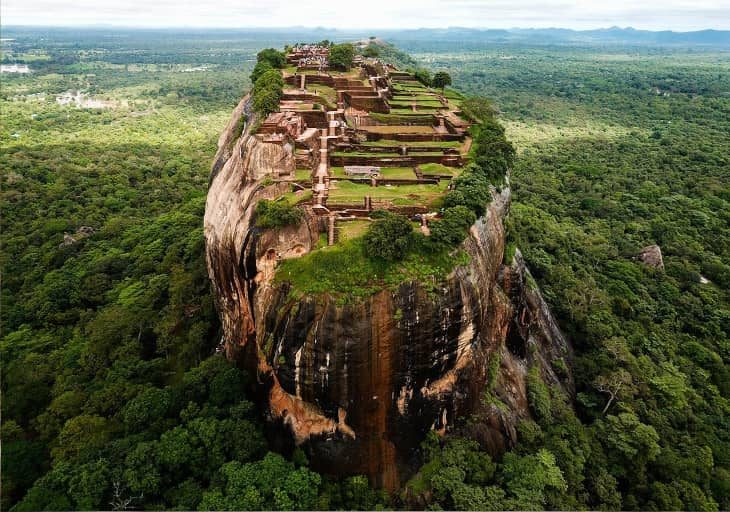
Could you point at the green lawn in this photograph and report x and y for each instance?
(390, 129)
(434, 168)
(296, 197)
(326, 92)
(418, 144)
(363, 153)
(397, 173)
(302, 174)
(403, 118)
(407, 102)
(350, 229)
(393, 173)
(414, 97)
(348, 192)
(410, 112)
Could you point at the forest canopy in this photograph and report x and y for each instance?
(114, 396)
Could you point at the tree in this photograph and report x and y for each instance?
(267, 92)
(441, 79)
(423, 76)
(146, 409)
(259, 69)
(82, 434)
(268, 80)
(629, 442)
(341, 56)
(389, 238)
(265, 102)
(538, 395)
(269, 484)
(528, 478)
(614, 385)
(371, 51)
(274, 57)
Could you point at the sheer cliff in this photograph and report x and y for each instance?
(359, 385)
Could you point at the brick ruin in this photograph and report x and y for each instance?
(372, 126)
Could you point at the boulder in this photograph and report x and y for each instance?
(651, 255)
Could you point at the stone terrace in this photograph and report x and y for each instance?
(369, 138)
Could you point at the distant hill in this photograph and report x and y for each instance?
(470, 36)
(559, 35)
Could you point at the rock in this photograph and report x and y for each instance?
(359, 386)
(67, 240)
(80, 234)
(651, 255)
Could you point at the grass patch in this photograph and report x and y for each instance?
(326, 92)
(386, 143)
(407, 102)
(302, 174)
(435, 168)
(398, 173)
(415, 97)
(398, 129)
(338, 172)
(351, 229)
(294, 198)
(363, 153)
(410, 111)
(344, 270)
(414, 117)
(392, 173)
(348, 192)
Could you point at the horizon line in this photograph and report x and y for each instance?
(344, 29)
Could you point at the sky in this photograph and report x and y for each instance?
(680, 15)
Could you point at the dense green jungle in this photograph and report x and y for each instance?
(114, 395)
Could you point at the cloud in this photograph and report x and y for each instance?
(649, 14)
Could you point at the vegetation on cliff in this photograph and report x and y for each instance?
(276, 214)
(268, 85)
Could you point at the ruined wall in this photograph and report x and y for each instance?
(368, 103)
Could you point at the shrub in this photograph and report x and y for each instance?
(478, 109)
(451, 229)
(389, 238)
(494, 154)
(471, 189)
(423, 76)
(276, 214)
(538, 396)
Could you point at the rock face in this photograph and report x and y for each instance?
(358, 386)
(651, 255)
